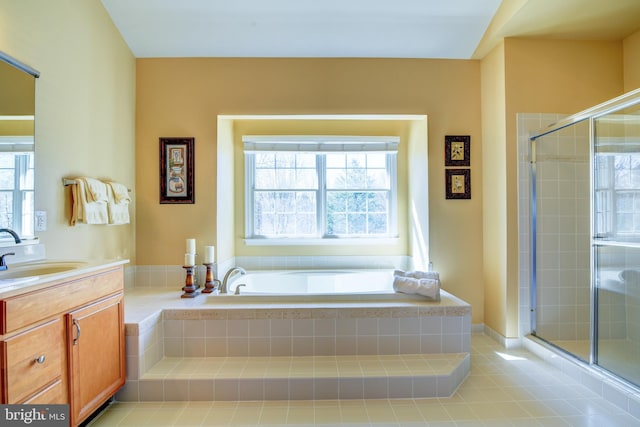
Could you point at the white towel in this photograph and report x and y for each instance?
(84, 210)
(417, 274)
(118, 211)
(96, 191)
(429, 288)
(120, 192)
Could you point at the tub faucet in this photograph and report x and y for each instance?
(13, 233)
(223, 287)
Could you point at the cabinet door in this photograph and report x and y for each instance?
(97, 355)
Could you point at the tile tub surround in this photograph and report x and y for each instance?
(213, 330)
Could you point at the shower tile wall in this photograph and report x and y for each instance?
(563, 233)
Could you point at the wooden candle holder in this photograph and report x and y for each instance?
(189, 288)
(211, 284)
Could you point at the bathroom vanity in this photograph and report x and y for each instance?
(62, 338)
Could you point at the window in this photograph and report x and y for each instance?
(617, 196)
(17, 184)
(320, 187)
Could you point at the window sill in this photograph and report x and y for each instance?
(382, 241)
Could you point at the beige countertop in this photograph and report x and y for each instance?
(10, 287)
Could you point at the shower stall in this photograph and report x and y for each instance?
(585, 236)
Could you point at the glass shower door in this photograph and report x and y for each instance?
(562, 295)
(616, 242)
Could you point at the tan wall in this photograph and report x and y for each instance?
(84, 113)
(17, 127)
(18, 89)
(631, 46)
(495, 196)
(182, 97)
(545, 76)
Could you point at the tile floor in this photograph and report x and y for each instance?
(504, 388)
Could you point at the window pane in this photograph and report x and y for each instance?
(336, 160)
(285, 202)
(357, 223)
(6, 160)
(624, 223)
(377, 223)
(264, 202)
(356, 178)
(285, 178)
(357, 202)
(378, 202)
(336, 178)
(336, 223)
(306, 202)
(377, 178)
(306, 178)
(306, 160)
(356, 160)
(306, 224)
(625, 202)
(336, 202)
(285, 160)
(377, 160)
(265, 178)
(265, 160)
(7, 179)
(6, 209)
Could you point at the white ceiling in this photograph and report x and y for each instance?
(451, 29)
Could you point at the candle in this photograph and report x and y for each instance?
(189, 260)
(191, 246)
(209, 254)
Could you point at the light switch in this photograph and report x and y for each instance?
(41, 221)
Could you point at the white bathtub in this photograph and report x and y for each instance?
(313, 282)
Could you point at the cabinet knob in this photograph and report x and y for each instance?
(40, 359)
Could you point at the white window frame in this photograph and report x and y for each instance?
(320, 144)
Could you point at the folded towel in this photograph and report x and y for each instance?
(118, 211)
(85, 211)
(417, 274)
(96, 190)
(120, 192)
(429, 288)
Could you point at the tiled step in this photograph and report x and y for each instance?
(303, 378)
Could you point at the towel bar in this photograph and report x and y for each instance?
(66, 182)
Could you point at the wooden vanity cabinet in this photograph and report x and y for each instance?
(64, 343)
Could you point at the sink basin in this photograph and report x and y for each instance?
(35, 269)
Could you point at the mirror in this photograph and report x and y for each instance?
(17, 147)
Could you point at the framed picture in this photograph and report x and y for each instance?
(458, 183)
(457, 150)
(176, 170)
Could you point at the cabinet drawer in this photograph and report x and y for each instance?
(53, 394)
(34, 359)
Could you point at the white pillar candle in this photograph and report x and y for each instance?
(209, 254)
(191, 246)
(189, 260)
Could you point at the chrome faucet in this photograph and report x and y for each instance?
(13, 233)
(3, 263)
(223, 287)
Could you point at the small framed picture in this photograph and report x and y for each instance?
(458, 183)
(457, 150)
(176, 170)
